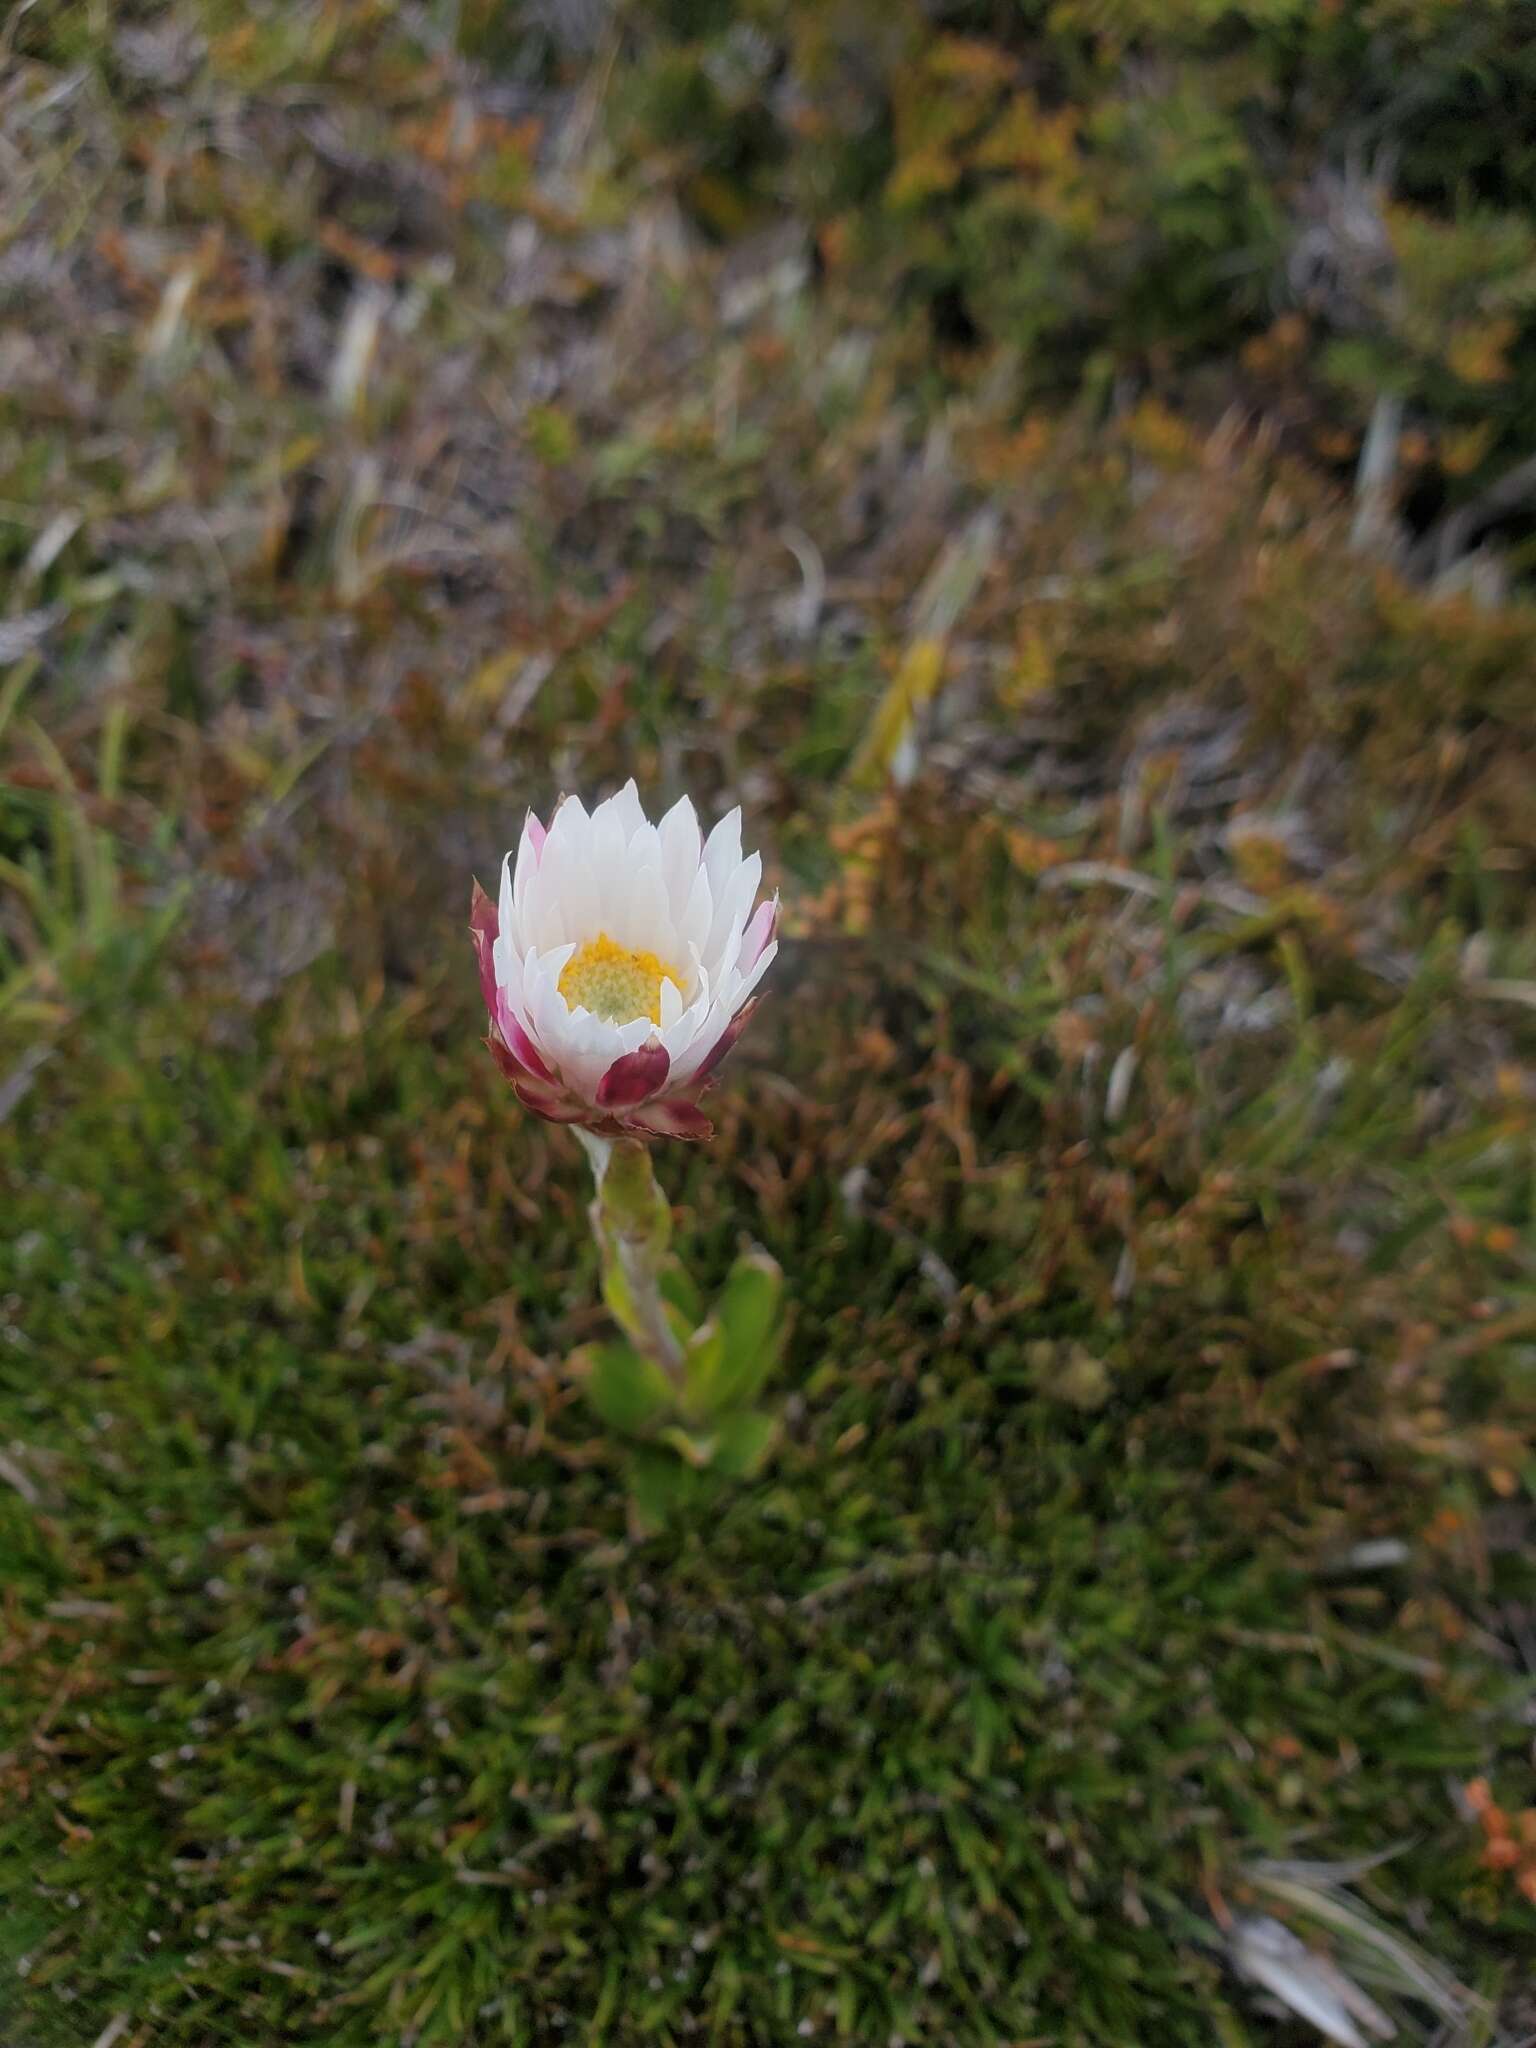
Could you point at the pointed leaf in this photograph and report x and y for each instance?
(619, 1298)
(680, 1291)
(703, 1363)
(626, 1390)
(747, 1312)
(742, 1442)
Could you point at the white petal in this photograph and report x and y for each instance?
(681, 852)
(516, 991)
(644, 849)
(702, 1043)
(513, 936)
(730, 955)
(731, 994)
(619, 917)
(608, 864)
(579, 897)
(671, 1004)
(515, 899)
(760, 927)
(543, 909)
(627, 808)
(733, 906)
(679, 1035)
(527, 856)
(505, 948)
(698, 914)
(613, 887)
(695, 981)
(551, 1019)
(688, 1026)
(650, 918)
(722, 851)
(569, 828)
(755, 972)
(592, 1045)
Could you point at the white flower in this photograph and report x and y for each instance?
(619, 962)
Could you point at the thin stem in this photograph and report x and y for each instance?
(633, 1226)
(658, 1339)
(599, 1151)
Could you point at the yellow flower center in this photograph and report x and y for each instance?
(612, 982)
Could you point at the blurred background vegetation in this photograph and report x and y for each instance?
(1301, 210)
(1068, 471)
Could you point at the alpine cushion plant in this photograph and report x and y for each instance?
(618, 965)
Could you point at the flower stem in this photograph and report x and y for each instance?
(633, 1227)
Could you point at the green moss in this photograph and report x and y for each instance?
(366, 1714)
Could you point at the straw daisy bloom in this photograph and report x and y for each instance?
(619, 961)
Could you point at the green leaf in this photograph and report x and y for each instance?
(626, 1390)
(751, 1332)
(703, 1358)
(680, 1292)
(742, 1442)
(697, 1451)
(618, 1297)
(662, 1486)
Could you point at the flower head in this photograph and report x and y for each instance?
(619, 962)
